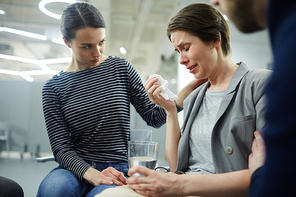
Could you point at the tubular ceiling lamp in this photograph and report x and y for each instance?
(2, 12)
(23, 33)
(43, 3)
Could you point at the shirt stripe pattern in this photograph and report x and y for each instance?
(87, 113)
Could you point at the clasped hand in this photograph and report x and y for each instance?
(108, 176)
(153, 183)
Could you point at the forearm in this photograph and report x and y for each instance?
(91, 175)
(182, 95)
(172, 139)
(191, 86)
(226, 184)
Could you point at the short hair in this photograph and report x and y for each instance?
(78, 16)
(203, 21)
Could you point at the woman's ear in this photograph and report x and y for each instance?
(216, 43)
(66, 42)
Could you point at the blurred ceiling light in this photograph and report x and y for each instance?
(2, 12)
(49, 13)
(23, 33)
(58, 41)
(26, 77)
(18, 73)
(56, 60)
(40, 72)
(122, 50)
(42, 63)
(19, 59)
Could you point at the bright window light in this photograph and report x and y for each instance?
(122, 50)
(23, 33)
(43, 3)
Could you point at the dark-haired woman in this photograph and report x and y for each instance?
(220, 116)
(87, 110)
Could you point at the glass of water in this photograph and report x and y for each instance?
(142, 153)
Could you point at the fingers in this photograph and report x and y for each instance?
(259, 141)
(139, 169)
(116, 176)
(257, 157)
(150, 82)
(254, 146)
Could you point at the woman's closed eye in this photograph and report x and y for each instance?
(87, 46)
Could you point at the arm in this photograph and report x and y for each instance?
(164, 184)
(257, 157)
(63, 149)
(172, 123)
(192, 85)
(151, 113)
(173, 136)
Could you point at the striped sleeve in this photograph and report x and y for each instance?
(58, 134)
(151, 113)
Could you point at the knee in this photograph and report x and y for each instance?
(60, 184)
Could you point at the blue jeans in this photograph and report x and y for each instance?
(63, 183)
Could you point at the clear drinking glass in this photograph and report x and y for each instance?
(142, 153)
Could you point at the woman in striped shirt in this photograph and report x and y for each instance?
(87, 110)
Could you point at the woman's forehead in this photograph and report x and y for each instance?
(90, 34)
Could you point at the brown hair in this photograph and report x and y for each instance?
(203, 21)
(78, 16)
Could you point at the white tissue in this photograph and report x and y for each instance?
(166, 93)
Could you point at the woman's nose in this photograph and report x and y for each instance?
(183, 59)
(97, 52)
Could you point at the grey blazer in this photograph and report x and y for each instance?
(240, 114)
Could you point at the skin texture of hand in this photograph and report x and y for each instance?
(154, 183)
(108, 176)
(257, 157)
(153, 92)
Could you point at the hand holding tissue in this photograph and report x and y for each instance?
(166, 93)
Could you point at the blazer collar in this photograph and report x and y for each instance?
(241, 71)
(237, 77)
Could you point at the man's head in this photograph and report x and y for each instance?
(247, 15)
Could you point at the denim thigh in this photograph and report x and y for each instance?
(62, 183)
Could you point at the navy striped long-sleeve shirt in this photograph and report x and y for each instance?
(87, 113)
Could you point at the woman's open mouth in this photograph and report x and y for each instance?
(192, 68)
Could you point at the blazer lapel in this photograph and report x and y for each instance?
(231, 89)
